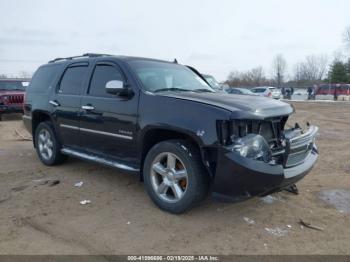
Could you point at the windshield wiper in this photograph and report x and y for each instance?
(203, 90)
(171, 89)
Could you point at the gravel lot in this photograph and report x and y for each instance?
(36, 218)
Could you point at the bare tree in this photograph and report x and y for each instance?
(3, 76)
(257, 76)
(234, 78)
(279, 66)
(313, 69)
(250, 78)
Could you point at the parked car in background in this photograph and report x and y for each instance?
(11, 95)
(300, 94)
(240, 91)
(267, 91)
(213, 83)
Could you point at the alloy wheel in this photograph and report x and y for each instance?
(169, 177)
(45, 144)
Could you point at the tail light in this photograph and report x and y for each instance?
(269, 94)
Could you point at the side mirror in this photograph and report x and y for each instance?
(115, 87)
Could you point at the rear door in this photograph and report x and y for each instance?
(66, 102)
(108, 122)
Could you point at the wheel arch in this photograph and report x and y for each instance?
(154, 135)
(38, 117)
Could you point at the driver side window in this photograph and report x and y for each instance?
(103, 74)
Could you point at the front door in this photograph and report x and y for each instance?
(108, 122)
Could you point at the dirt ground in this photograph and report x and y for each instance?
(36, 218)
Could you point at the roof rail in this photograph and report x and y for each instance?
(78, 56)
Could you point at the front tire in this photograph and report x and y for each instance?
(47, 145)
(174, 176)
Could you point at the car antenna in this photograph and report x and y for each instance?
(175, 61)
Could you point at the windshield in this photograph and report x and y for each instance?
(161, 76)
(11, 85)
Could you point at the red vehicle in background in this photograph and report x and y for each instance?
(332, 90)
(12, 92)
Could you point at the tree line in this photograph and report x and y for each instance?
(314, 69)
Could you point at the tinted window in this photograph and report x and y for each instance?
(102, 75)
(11, 85)
(325, 87)
(258, 90)
(43, 78)
(72, 80)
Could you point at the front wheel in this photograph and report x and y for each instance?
(174, 176)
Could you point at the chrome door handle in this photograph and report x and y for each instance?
(54, 103)
(87, 107)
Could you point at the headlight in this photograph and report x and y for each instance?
(252, 146)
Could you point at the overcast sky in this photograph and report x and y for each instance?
(216, 37)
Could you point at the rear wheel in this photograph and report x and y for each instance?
(174, 176)
(47, 145)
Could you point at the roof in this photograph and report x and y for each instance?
(88, 56)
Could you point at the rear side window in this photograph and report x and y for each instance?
(72, 80)
(43, 78)
(102, 75)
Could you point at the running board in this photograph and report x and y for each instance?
(97, 159)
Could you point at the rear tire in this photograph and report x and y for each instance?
(47, 145)
(174, 176)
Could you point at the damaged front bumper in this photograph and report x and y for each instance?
(238, 178)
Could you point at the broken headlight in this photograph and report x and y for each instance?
(252, 146)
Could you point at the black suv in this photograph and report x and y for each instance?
(164, 122)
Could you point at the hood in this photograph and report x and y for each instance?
(241, 106)
(11, 92)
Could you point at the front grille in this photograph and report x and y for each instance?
(15, 99)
